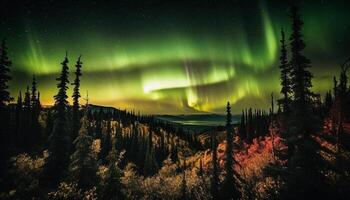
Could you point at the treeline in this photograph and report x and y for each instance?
(253, 124)
(26, 127)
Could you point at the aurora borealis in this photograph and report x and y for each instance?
(162, 57)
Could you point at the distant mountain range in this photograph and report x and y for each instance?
(198, 119)
(190, 121)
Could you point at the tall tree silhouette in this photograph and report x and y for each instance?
(229, 190)
(27, 104)
(61, 102)
(243, 127)
(341, 104)
(285, 76)
(305, 163)
(76, 96)
(35, 112)
(60, 142)
(38, 103)
(300, 76)
(27, 121)
(33, 98)
(5, 65)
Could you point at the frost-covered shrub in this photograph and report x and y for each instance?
(26, 172)
(131, 182)
(70, 191)
(166, 184)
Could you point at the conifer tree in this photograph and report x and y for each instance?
(83, 166)
(27, 104)
(134, 146)
(18, 129)
(250, 128)
(98, 126)
(242, 127)
(300, 77)
(305, 164)
(328, 102)
(59, 141)
(61, 102)
(106, 144)
(27, 119)
(19, 101)
(174, 151)
(76, 96)
(112, 187)
(49, 124)
(35, 137)
(150, 166)
(33, 98)
(285, 76)
(38, 104)
(5, 65)
(340, 104)
(229, 190)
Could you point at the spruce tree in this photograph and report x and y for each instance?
(83, 166)
(49, 124)
(76, 96)
(106, 144)
(19, 105)
(285, 76)
(340, 104)
(38, 103)
(305, 164)
(300, 77)
(27, 103)
(27, 121)
(5, 65)
(33, 98)
(134, 143)
(229, 187)
(59, 141)
(112, 186)
(250, 128)
(35, 111)
(242, 127)
(61, 102)
(150, 166)
(174, 151)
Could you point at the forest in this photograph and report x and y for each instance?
(298, 149)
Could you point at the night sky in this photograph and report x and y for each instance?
(170, 57)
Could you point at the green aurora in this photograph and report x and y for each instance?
(171, 58)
